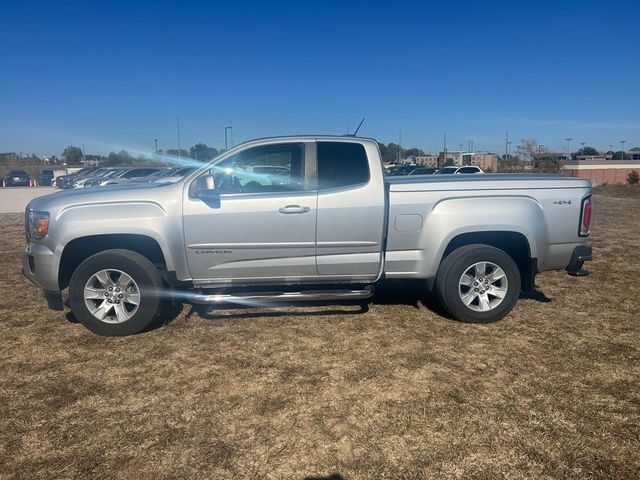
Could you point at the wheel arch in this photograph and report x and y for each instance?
(79, 249)
(514, 244)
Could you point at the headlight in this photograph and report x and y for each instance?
(38, 224)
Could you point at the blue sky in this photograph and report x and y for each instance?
(114, 75)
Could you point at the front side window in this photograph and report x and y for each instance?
(267, 169)
(341, 164)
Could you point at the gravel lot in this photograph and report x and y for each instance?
(395, 391)
(15, 199)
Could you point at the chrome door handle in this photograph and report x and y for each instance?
(293, 209)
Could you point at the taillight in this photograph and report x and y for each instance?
(585, 216)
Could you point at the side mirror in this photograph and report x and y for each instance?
(207, 192)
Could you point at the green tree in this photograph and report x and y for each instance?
(119, 158)
(173, 152)
(588, 151)
(392, 152)
(413, 152)
(620, 155)
(202, 152)
(72, 155)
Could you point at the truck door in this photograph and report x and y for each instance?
(263, 229)
(351, 210)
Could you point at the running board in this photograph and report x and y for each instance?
(282, 297)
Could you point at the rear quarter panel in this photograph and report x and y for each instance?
(547, 217)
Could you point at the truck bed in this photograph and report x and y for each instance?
(426, 213)
(410, 183)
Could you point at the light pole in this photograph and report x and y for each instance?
(444, 163)
(179, 152)
(156, 140)
(226, 142)
(582, 144)
(506, 147)
(568, 139)
(622, 142)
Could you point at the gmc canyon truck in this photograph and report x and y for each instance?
(305, 218)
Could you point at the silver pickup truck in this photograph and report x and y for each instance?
(305, 218)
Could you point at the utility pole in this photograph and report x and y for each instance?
(399, 144)
(84, 160)
(226, 141)
(622, 142)
(179, 151)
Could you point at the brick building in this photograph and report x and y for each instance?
(601, 171)
(426, 160)
(486, 161)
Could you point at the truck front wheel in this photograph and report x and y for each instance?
(115, 292)
(478, 284)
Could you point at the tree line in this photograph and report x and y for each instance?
(72, 155)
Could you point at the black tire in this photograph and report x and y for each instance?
(449, 290)
(147, 280)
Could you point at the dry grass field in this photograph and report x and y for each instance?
(398, 391)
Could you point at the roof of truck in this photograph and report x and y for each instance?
(307, 138)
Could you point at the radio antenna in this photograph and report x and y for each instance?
(358, 128)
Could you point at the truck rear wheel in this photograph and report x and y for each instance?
(115, 292)
(478, 284)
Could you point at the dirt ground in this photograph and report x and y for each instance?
(398, 391)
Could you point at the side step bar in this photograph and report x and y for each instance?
(281, 297)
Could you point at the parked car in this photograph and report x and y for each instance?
(126, 174)
(46, 177)
(159, 173)
(334, 232)
(400, 169)
(459, 170)
(67, 181)
(94, 178)
(424, 171)
(18, 178)
(173, 176)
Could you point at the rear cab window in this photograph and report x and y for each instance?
(341, 165)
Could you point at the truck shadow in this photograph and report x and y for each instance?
(239, 312)
(167, 314)
(536, 295)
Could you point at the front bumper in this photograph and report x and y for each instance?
(40, 267)
(581, 254)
